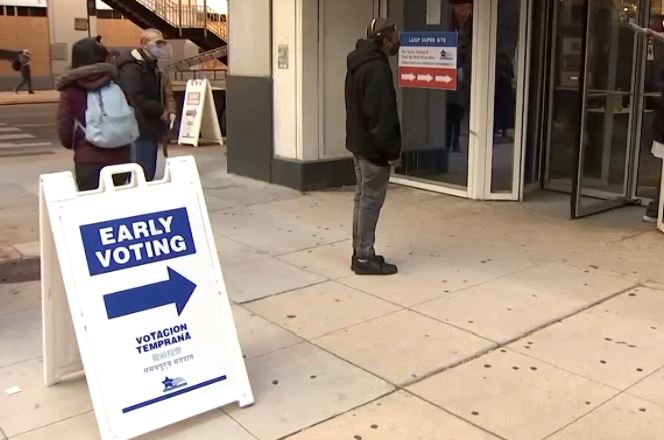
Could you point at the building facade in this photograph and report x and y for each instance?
(557, 95)
(50, 28)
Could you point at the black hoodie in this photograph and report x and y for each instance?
(372, 121)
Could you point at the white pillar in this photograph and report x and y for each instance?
(295, 79)
(309, 109)
(62, 15)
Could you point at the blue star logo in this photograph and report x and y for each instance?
(173, 383)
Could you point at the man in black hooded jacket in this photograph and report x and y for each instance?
(373, 135)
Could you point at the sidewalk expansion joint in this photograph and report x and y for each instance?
(503, 345)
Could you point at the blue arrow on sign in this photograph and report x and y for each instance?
(176, 290)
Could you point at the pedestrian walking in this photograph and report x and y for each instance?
(94, 117)
(373, 135)
(146, 87)
(24, 63)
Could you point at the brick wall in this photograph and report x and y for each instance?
(118, 32)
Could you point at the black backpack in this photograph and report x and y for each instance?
(16, 64)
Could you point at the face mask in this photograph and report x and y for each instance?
(156, 52)
(395, 49)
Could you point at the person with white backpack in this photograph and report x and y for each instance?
(94, 117)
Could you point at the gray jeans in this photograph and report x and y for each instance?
(372, 181)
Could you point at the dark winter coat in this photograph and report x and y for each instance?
(73, 88)
(141, 79)
(372, 121)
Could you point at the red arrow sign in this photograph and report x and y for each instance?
(428, 78)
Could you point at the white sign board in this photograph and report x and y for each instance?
(145, 290)
(429, 60)
(199, 120)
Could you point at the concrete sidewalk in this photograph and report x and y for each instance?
(505, 322)
(39, 97)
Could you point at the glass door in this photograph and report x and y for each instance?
(648, 168)
(509, 88)
(603, 154)
(436, 123)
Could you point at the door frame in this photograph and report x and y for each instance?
(521, 109)
(480, 142)
(578, 191)
(640, 95)
(477, 115)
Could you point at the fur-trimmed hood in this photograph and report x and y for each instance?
(88, 77)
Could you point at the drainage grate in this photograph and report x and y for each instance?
(20, 271)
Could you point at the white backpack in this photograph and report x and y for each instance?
(109, 120)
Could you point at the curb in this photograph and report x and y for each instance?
(16, 102)
(41, 97)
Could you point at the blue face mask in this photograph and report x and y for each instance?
(156, 52)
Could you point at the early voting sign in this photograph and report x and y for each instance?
(135, 270)
(428, 60)
(199, 120)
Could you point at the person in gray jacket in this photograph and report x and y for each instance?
(25, 61)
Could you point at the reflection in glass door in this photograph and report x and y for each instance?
(650, 92)
(564, 90)
(505, 149)
(435, 123)
(592, 113)
(603, 155)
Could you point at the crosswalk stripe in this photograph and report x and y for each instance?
(8, 129)
(26, 144)
(15, 137)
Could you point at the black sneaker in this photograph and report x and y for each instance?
(354, 258)
(374, 266)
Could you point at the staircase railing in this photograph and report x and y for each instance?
(188, 16)
(197, 60)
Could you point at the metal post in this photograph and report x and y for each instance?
(205, 17)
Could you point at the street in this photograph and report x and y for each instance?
(504, 322)
(28, 130)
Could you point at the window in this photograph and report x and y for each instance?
(11, 10)
(109, 14)
(104, 13)
(38, 12)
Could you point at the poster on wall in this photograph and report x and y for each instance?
(428, 60)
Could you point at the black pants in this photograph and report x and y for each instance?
(455, 115)
(26, 79)
(87, 176)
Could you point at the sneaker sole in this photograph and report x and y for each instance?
(378, 274)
